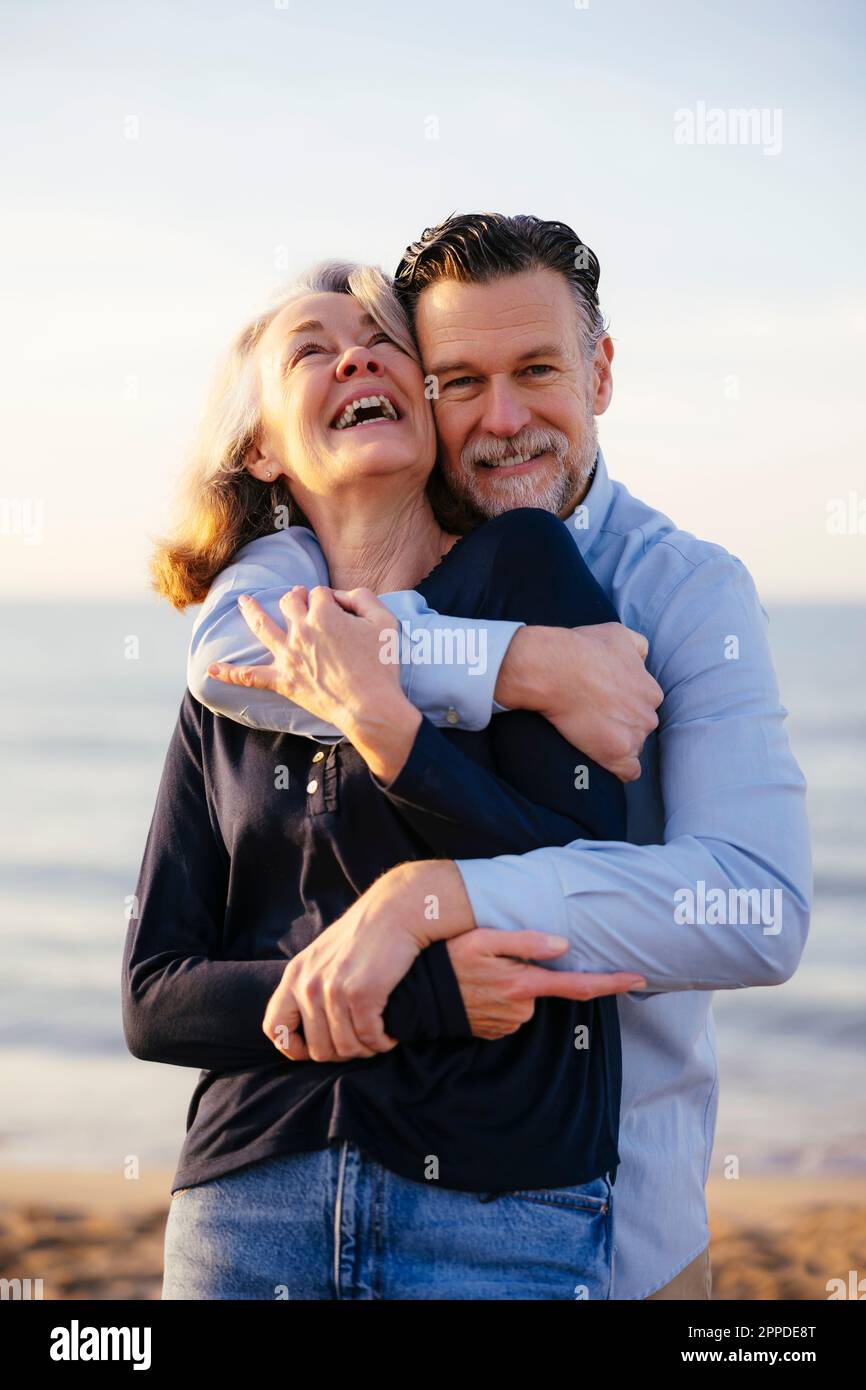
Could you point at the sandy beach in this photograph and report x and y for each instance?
(98, 1235)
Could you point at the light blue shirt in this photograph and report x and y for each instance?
(712, 889)
(449, 692)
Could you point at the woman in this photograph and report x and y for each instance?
(323, 1179)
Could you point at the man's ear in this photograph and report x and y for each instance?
(261, 464)
(602, 375)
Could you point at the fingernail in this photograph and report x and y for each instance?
(244, 598)
(555, 943)
(637, 982)
(213, 669)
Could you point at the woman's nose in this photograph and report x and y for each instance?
(358, 361)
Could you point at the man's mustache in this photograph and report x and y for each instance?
(525, 444)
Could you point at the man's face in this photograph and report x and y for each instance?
(517, 397)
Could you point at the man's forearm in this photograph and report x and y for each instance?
(449, 691)
(525, 676)
(685, 915)
(718, 894)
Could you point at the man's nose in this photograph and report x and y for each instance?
(503, 411)
(358, 361)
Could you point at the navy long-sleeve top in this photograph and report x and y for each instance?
(260, 840)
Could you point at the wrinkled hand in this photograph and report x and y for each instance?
(613, 707)
(337, 988)
(328, 657)
(593, 686)
(499, 986)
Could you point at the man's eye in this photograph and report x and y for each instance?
(539, 369)
(459, 381)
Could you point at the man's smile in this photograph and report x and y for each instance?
(514, 464)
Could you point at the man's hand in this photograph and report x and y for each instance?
(591, 683)
(337, 988)
(499, 986)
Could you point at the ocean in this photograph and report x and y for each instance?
(88, 699)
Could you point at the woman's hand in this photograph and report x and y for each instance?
(335, 659)
(338, 986)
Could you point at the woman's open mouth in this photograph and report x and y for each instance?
(366, 410)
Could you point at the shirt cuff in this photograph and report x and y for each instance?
(514, 893)
(453, 1018)
(426, 1005)
(426, 745)
(453, 692)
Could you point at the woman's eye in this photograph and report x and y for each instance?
(382, 338)
(304, 350)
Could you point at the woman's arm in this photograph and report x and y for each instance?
(334, 645)
(536, 789)
(590, 683)
(181, 1003)
(266, 569)
(461, 808)
(184, 1005)
(552, 794)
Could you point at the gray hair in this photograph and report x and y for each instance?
(232, 420)
(223, 507)
(478, 247)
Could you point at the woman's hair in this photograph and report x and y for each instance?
(223, 506)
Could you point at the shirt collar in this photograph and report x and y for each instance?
(589, 515)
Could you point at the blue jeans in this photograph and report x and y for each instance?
(335, 1224)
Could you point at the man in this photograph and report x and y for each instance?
(712, 889)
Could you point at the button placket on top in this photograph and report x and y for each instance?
(322, 782)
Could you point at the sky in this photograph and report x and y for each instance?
(165, 167)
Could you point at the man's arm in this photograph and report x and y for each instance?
(338, 986)
(589, 682)
(724, 902)
(449, 693)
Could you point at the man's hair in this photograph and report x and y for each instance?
(477, 247)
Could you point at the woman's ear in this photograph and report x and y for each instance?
(261, 464)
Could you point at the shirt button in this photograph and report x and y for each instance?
(317, 757)
(452, 716)
(312, 786)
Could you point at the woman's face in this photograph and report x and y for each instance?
(318, 360)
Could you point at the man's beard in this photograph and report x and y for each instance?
(557, 493)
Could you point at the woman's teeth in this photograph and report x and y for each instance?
(364, 409)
